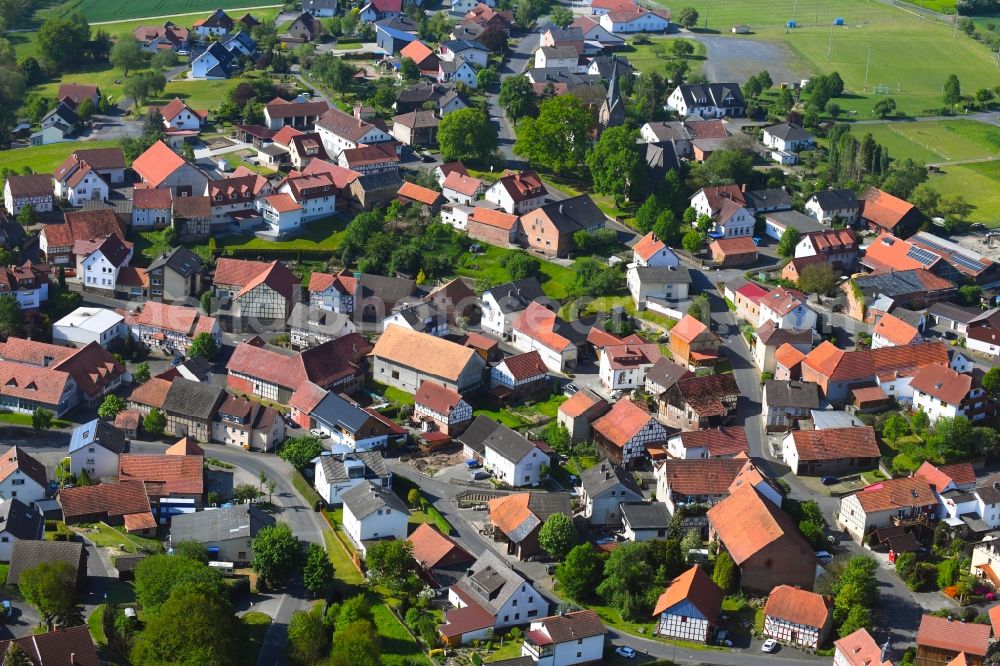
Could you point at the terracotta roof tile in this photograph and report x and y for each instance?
(525, 366)
(720, 442)
(953, 636)
(839, 365)
(431, 355)
(151, 393)
(580, 403)
(493, 218)
(788, 356)
(942, 383)
(437, 398)
(430, 547)
(884, 209)
(462, 184)
(164, 475)
(156, 164)
(961, 474)
(797, 606)
(860, 649)
(747, 523)
(896, 494)
(623, 422)
(696, 587)
(895, 330)
(15, 459)
(539, 323)
(835, 443)
(112, 499)
(277, 277)
(417, 193)
(688, 329)
(237, 272)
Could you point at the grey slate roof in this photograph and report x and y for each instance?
(508, 444)
(315, 320)
(785, 393)
(665, 372)
(774, 197)
(605, 475)
(646, 515)
(836, 199)
(103, 433)
(516, 296)
(336, 471)
(576, 213)
(336, 411)
(713, 93)
(477, 433)
(26, 554)
(953, 312)
(897, 283)
(788, 132)
(180, 260)
(663, 275)
(662, 156)
(193, 399)
(242, 521)
(491, 582)
(793, 219)
(366, 498)
(389, 289)
(20, 520)
(198, 366)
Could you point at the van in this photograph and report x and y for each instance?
(225, 568)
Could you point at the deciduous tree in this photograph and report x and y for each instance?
(516, 98)
(41, 419)
(616, 165)
(276, 553)
(11, 317)
(298, 451)
(789, 239)
(51, 588)
(688, 17)
(157, 575)
(580, 573)
(952, 94)
(154, 422)
(356, 644)
(391, 561)
(127, 55)
(203, 345)
(557, 536)
(195, 625)
(557, 140)
(467, 135)
(725, 574)
(111, 406)
(308, 638)
(817, 278)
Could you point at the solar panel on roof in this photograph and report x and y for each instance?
(954, 256)
(923, 256)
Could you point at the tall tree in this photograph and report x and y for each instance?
(308, 638)
(51, 588)
(203, 345)
(276, 553)
(356, 644)
(952, 91)
(579, 575)
(154, 422)
(557, 140)
(298, 451)
(789, 239)
(111, 406)
(616, 166)
(157, 575)
(557, 536)
(725, 574)
(41, 419)
(517, 98)
(467, 135)
(317, 573)
(688, 17)
(62, 37)
(11, 317)
(196, 625)
(626, 578)
(127, 55)
(391, 560)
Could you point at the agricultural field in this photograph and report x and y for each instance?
(939, 6)
(44, 159)
(979, 183)
(915, 83)
(935, 141)
(99, 11)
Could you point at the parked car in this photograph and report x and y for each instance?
(316, 432)
(770, 645)
(625, 651)
(824, 556)
(473, 464)
(6, 608)
(829, 480)
(570, 389)
(479, 475)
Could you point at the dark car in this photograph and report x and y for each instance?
(829, 480)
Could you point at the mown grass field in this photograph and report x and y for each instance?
(46, 158)
(98, 11)
(654, 55)
(979, 183)
(937, 141)
(940, 6)
(911, 55)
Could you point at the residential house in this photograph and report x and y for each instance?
(149, 395)
(99, 262)
(161, 168)
(838, 371)
(349, 425)
(218, 23)
(27, 553)
(337, 472)
(378, 296)
(172, 328)
(373, 513)
(834, 206)
(776, 223)
(503, 304)
(940, 391)
(472, 52)
(180, 120)
(757, 533)
(652, 251)
(891, 331)
(34, 374)
(858, 649)
(689, 608)
(404, 358)
(657, 287)
(626, 432)
(18, 522)
(461, 188)
(380, 9)
(787, 137)
(732, 221)
(710, 200)
(491, 596)
(192, 217)
(746, 299)
(190, 408)
(441, 560)
(518, 518)
(124, 503)
(887, 503)
(151, 208)
(787, 402)
(831, 451)
(442, 409)
(33, 190)
(512, 459)
(624, 367)
(693, 345)
(577, 413)
(836, 247)
(303, 28)
(255, 289)
(711, 100)
(517, 192)
(299, 113)
(636, 20)
(549, 229)
(28, 283)
(22, 477)
(154, 38)
(56, 241)
(728, 442)
(787, 308)
(248, 424)
(557, 56)
(416, 128)
(58, 125)
(519, 374)
(797, 617)
(426, 201)
(604, 487)
(227, 533)
(422, 55)
(696, 403)
(340, 131)
(75, 93)
(882, 212)
(309, 327)
(952, 317)
(315, 195)
(694, 481)
(95, 447)
(175, 275)
(941, 640)
(539, 329)
(566, 639)
(174, 480)
(984, 333)
(967, 263)
(486, 224)
(335, 293)
(596, 36)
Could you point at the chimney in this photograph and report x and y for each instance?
(607, 476)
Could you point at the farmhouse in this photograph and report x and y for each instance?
(689, 608)
(624, 434)
(797, 617)
(885, 504)
(405, 358)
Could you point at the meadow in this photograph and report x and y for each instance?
(98, 11)
(935, 141)
(979, 183)
(910, 55)
(43, 159)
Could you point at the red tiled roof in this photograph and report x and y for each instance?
(522, 185)
(181, 319)
(420, 194)
(437, 397)
(887, 253)
(114, 249)
(839, 365)
(282, 203)
(15, 459)
(688, 329)
(797, 606)
(113, 499)
(492, 218)
(783, 301)
(83, 225)
(942, 383)
(345, 282)
(895, 330)
(277, 277)
(538, 323)
(150, 198)
(128, 419)
(237, 272)
(77, 91)
(835, 443)
(733, 246)
(430, 547)
(266, 365)
(884, 209)
(708, 395)
(31, 185)
(526, 366)
(961, 474)
(860, 649)
(176, 106)
(832, 241)
(462, 184)
(630, 355)
(186, 446)
(156, 164)
(728, 441)
(306, 397)
(702, 476)
(747, 523)
(622, 423)
(953, 636)
(752, 292)
(151, 393)
(579, 403)
(868, 394)
(696, 587)
(164, 475)
(898, 493)
(416, 51)
(788, 356)
(93, 368)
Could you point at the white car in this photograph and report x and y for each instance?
(626, 652)
(316, 432)
(770, 645)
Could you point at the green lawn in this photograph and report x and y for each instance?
(555, 279)
(654, 55)
(107, 536)
(911, 55)
(199, 94)
(390, 393)
(937, 141)
(96, 625)
(25, 420)
(117, 10)
(324, 234)
(940, 6)
(398, 646)
(255, 625)
(979, 183)
(44, 159)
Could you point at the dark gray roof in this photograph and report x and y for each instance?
(366, 498)
(836, 199)
(477, 433)
(337, 412)
(911, 317)
(316, 320)
(180, 260)
(337, 466)
(20, 520)
(565, 34)
(788, 132)
(103, 433)
(576, 213)
(785, 393)
(721, 95)
(242, 521)
(953, 312)
(389, 289)
(663, 275)
(646, 515)
(662, 156)
(774, 197)
(198, 366)
(606, 63)
(793, 219)
(193, 399)
(421, 92)
(892, 285)
(508, 444)
(606, 475)
(491, 582)
(27, 554)
(516, 296)
(665, 372)
(459, 45)
(128, 562)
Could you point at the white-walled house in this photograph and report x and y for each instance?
(623, 367)
(85, 325)
(797, 617)
(372, 512)
(827, 206)
(652, 251)
(282, 214)
(18, 521)
(336, 473)
(513, 459)
(22, 477)
(941, 392)
(539, 329)
(565, 639)
(98, 262)
(689, 608)
(95, 447)
(787, 137)
(634, 20)
(733, 221)
(603, 489)
(786, 308)
(504, 303)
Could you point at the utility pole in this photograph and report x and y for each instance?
(829, 48)
(867, 63)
